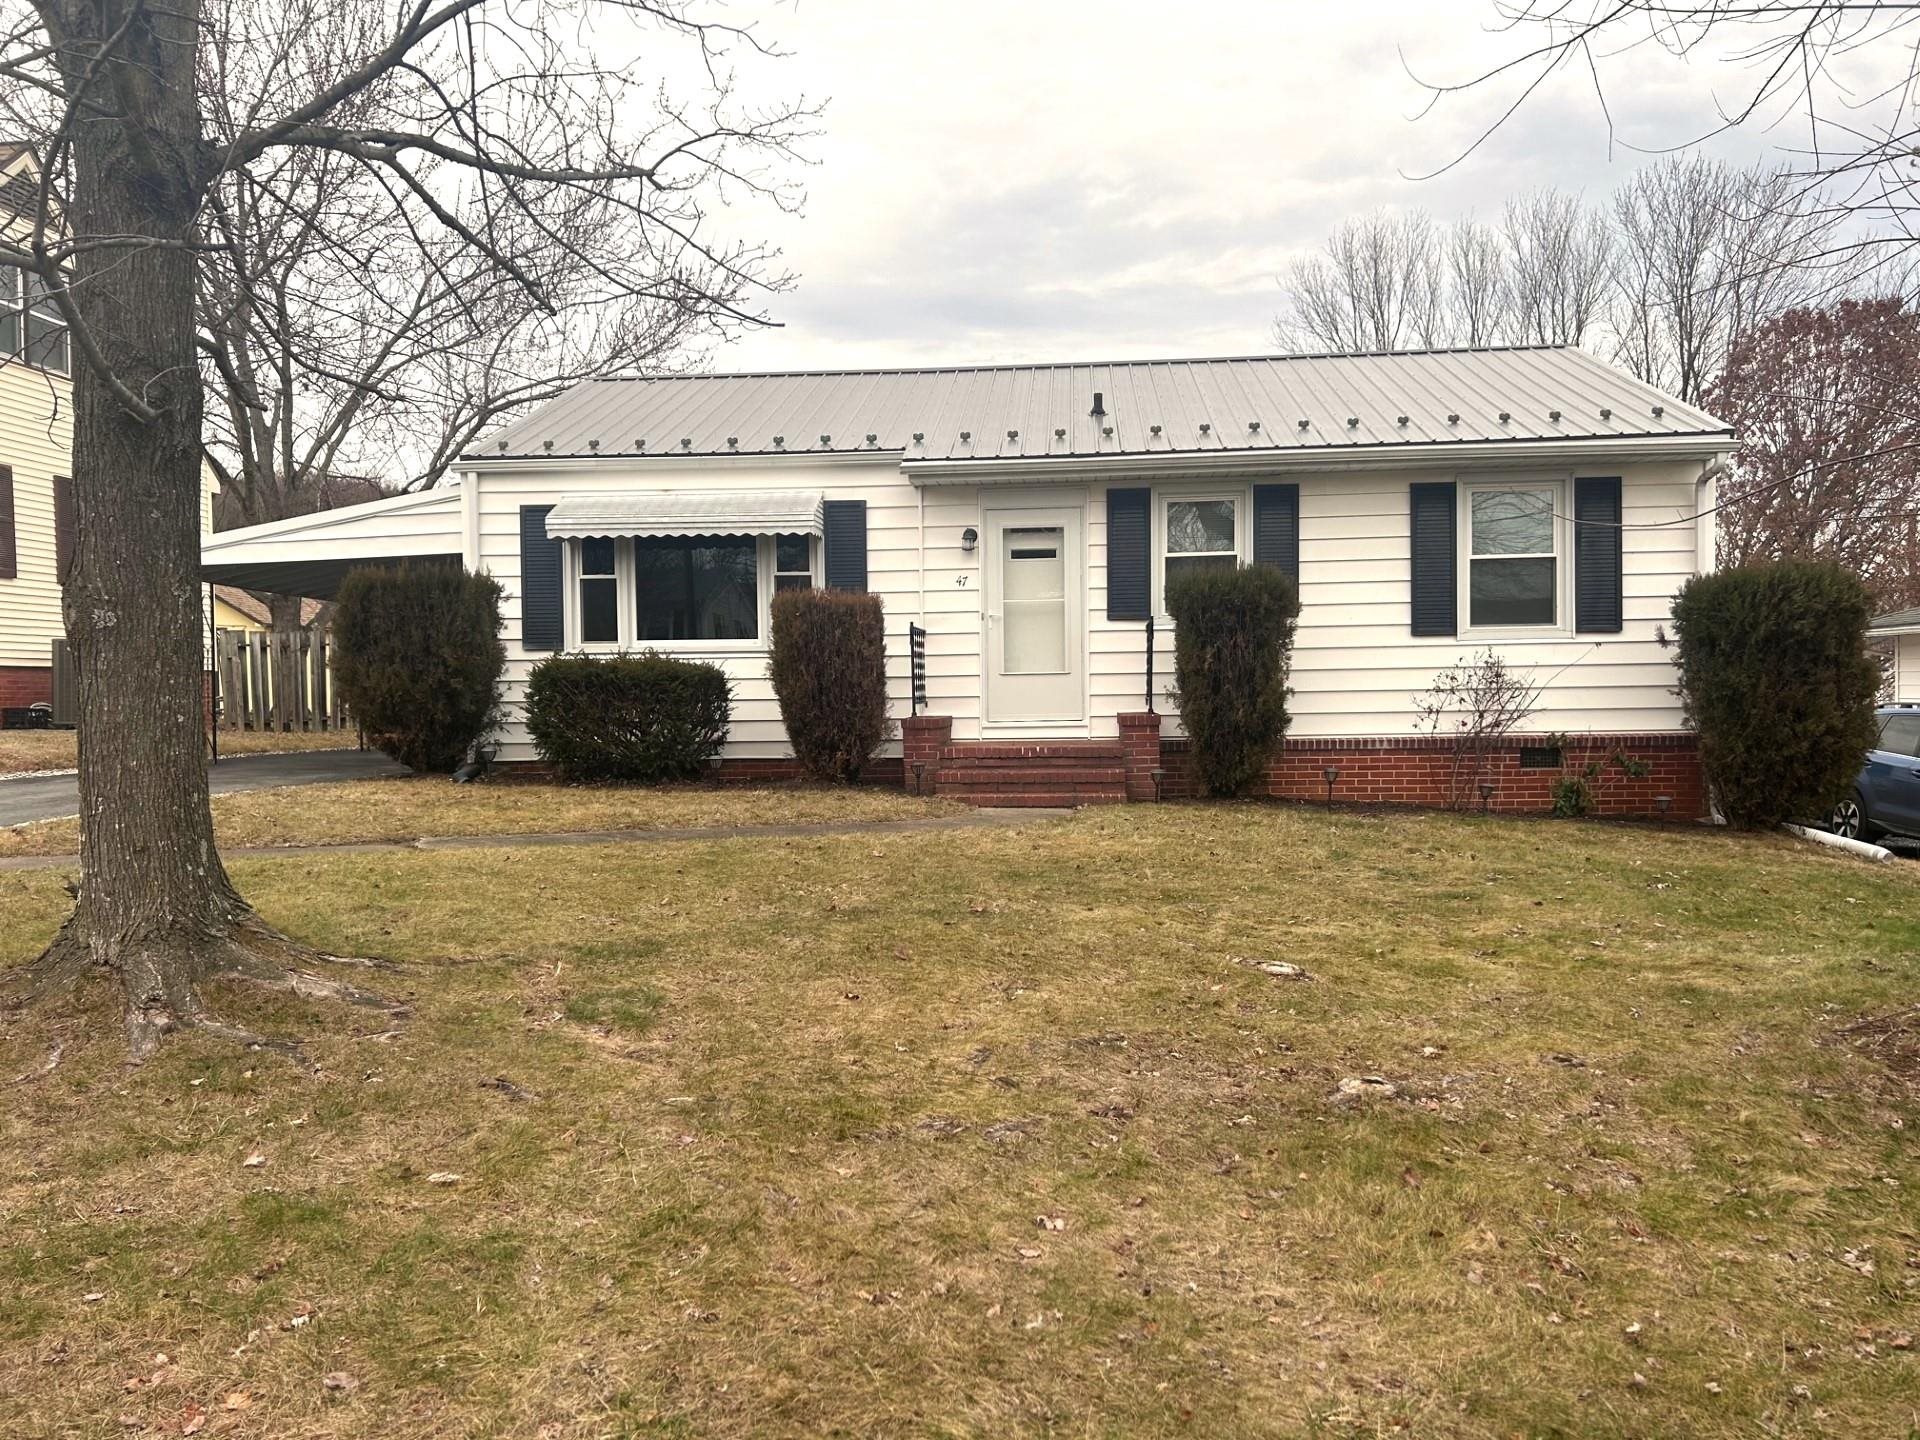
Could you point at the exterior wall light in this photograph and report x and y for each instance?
(969, 539)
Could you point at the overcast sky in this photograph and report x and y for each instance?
(1005, 181)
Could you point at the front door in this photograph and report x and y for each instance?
(1034, 613)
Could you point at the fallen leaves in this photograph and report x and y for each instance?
(253, 1161)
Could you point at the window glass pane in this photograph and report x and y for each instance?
(1512, 592)
(697, 587)
(599, 611)
(1513, 522)
(792, 582)
(793, 553)
(1901, 734)
(1178, 565)
(39, 296)
(9, 332)
(46, 344)
(1033, 580)
(1199, 525)
(596, 556)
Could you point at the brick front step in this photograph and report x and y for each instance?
(970, 752)
(1004, 776)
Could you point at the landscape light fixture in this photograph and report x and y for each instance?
(1330, 774)
(1663, 803)
(1486, 795)
(919, 774)
(1159, 778)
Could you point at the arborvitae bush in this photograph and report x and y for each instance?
(1776, 679)
(644, 718)
(417, 657)
(828, 664)
(1232, 639)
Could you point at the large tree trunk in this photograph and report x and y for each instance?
(283, 612)
(154, 904)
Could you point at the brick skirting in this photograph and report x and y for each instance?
(25, 685)
(884, 772)
(1415, 770)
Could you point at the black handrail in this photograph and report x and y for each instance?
(917, 655)
(1150, 709)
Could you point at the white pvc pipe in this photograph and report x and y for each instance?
(1840, 842)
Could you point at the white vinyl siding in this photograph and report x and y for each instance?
(893, 571)
(1356, 667)
(1906, 669)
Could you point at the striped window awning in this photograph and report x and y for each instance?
(688, 512)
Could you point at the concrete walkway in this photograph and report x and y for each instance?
(54, 797)
(973, 820)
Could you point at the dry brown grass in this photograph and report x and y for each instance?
(23, 751)
(797, 1107)
(416, 807)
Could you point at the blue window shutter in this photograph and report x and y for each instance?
(1597, 607)
(1129, 563)
(846, 540)
(1276, 527)
(542, 614)
(1434, 516)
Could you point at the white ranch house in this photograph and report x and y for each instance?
(1019, 522)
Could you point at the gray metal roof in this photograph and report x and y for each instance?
(1152, 407)
(1898, 621)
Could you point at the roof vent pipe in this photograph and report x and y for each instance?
(1099, 404)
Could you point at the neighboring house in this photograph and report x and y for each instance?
(36, 450)
(237, 609)
(36, 457)
(1901, 630)
(1432, 505)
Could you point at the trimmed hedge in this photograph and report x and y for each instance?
(1776, 679)
(417, 656)
(645, 718)
(828, 662)
(1232, 641)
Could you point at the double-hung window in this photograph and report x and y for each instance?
(1513, 561)
(650, 590)
(31, 328)
(1198, 532)
(792, 562)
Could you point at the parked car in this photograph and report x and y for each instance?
(1886, 798)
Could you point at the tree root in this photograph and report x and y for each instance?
(51, 1064)
(163, 978)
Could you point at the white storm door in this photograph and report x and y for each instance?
(1034, 613)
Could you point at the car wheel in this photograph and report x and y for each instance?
(1849, 818)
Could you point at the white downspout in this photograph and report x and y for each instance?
(1706, 494)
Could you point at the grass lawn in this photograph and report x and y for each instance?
(22, 751)
(408, 809)
(996, 1133)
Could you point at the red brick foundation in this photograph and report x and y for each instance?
(1140, 742)
(922, 738)
(885, 772)
(25, 685)
(1415, 770)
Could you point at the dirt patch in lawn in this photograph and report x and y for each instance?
(1000, 1133)
(1893, 1040)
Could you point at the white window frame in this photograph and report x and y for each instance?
(628, 602)
(1242, 500)
(14, 303)
(1560, 487)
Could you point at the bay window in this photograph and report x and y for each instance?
(681, 590)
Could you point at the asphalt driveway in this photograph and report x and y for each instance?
(50, 797)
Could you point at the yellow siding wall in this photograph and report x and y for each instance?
(36, 429)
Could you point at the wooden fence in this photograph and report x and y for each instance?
(277, 680)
